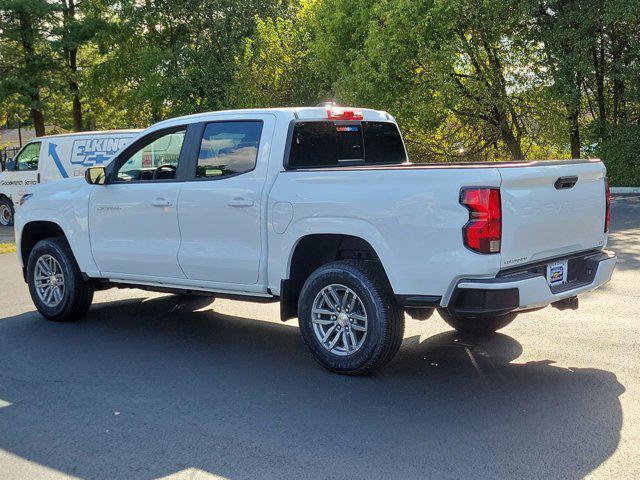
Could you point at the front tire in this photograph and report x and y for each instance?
(477, 325)
(55, 283)
(348, 317)
(6, 212)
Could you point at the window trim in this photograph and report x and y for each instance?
(341, 163)
(197, 143)
(130, 150)
(26, 145)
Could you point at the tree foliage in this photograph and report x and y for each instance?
(466, 79)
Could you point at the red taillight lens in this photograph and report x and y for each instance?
(483, 231)
(607, 200)
(341, 113)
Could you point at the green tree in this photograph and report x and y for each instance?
(78, 23)
(301, 57)
(25, 57)
(589, 50)
(466, 58)
(170, 58)
(272, 68)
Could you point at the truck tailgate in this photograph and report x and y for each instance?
(545, 215)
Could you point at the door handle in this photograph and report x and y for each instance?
(161, 202)
(565, 182)
(240, 202)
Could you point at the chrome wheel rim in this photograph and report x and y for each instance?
(339, 320)
(49, 281)
(5, 215)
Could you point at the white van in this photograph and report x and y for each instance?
(54, 157)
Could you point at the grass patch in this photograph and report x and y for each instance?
(7, 247)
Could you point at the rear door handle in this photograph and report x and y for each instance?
(161, 202)
(240, 202)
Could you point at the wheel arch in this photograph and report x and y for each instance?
(35, 231)
(312, 250)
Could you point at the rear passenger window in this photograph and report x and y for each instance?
(384, 144)
(330, 144)
(228, 148)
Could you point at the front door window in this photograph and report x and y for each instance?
(157, 160)
(27, 159)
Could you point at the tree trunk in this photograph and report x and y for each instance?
(73, 86)
(31, 64)
(514, 146)
(574, 132)
(618, 65)
(38, 118)
(71, 58)
(506, 133)
(599, 68)
(619, 105)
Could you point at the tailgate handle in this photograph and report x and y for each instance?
(565, 182)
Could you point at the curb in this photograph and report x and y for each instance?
(623, 190)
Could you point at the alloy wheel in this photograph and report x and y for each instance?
(339, 320)
(49, 281)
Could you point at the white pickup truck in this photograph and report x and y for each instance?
(318, 208)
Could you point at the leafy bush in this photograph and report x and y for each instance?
(621, 154)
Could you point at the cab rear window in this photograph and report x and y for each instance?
(332, 144)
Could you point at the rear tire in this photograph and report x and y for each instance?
(55, 283)
(365, 325)
(477, 325)
(6, 212)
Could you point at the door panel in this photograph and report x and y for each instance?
(221, 242)
(220, 212)
(133, 220)
(134, 228)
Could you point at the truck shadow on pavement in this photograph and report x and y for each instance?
(172, 387)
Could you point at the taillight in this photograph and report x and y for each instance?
(483, 231)
(607, 203)
(342, 113)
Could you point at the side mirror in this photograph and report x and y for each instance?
(10, 165)
(96, 175)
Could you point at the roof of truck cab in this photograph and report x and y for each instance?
(302, 113)
(89, 133)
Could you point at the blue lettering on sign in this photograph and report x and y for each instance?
(96, 151)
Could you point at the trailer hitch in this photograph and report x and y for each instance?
(570, 303)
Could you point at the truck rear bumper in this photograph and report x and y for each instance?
(528, 289)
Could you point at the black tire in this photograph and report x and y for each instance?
(78, 294)
(6, 212)
(385, 319)
(477, 325)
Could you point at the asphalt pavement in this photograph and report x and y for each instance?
(6, 235)
(161, 386)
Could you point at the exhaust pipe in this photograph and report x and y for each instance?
(570, 303)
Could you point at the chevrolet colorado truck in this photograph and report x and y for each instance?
(318, 208)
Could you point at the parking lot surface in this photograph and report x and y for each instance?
(6, 235)
(162, 386)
